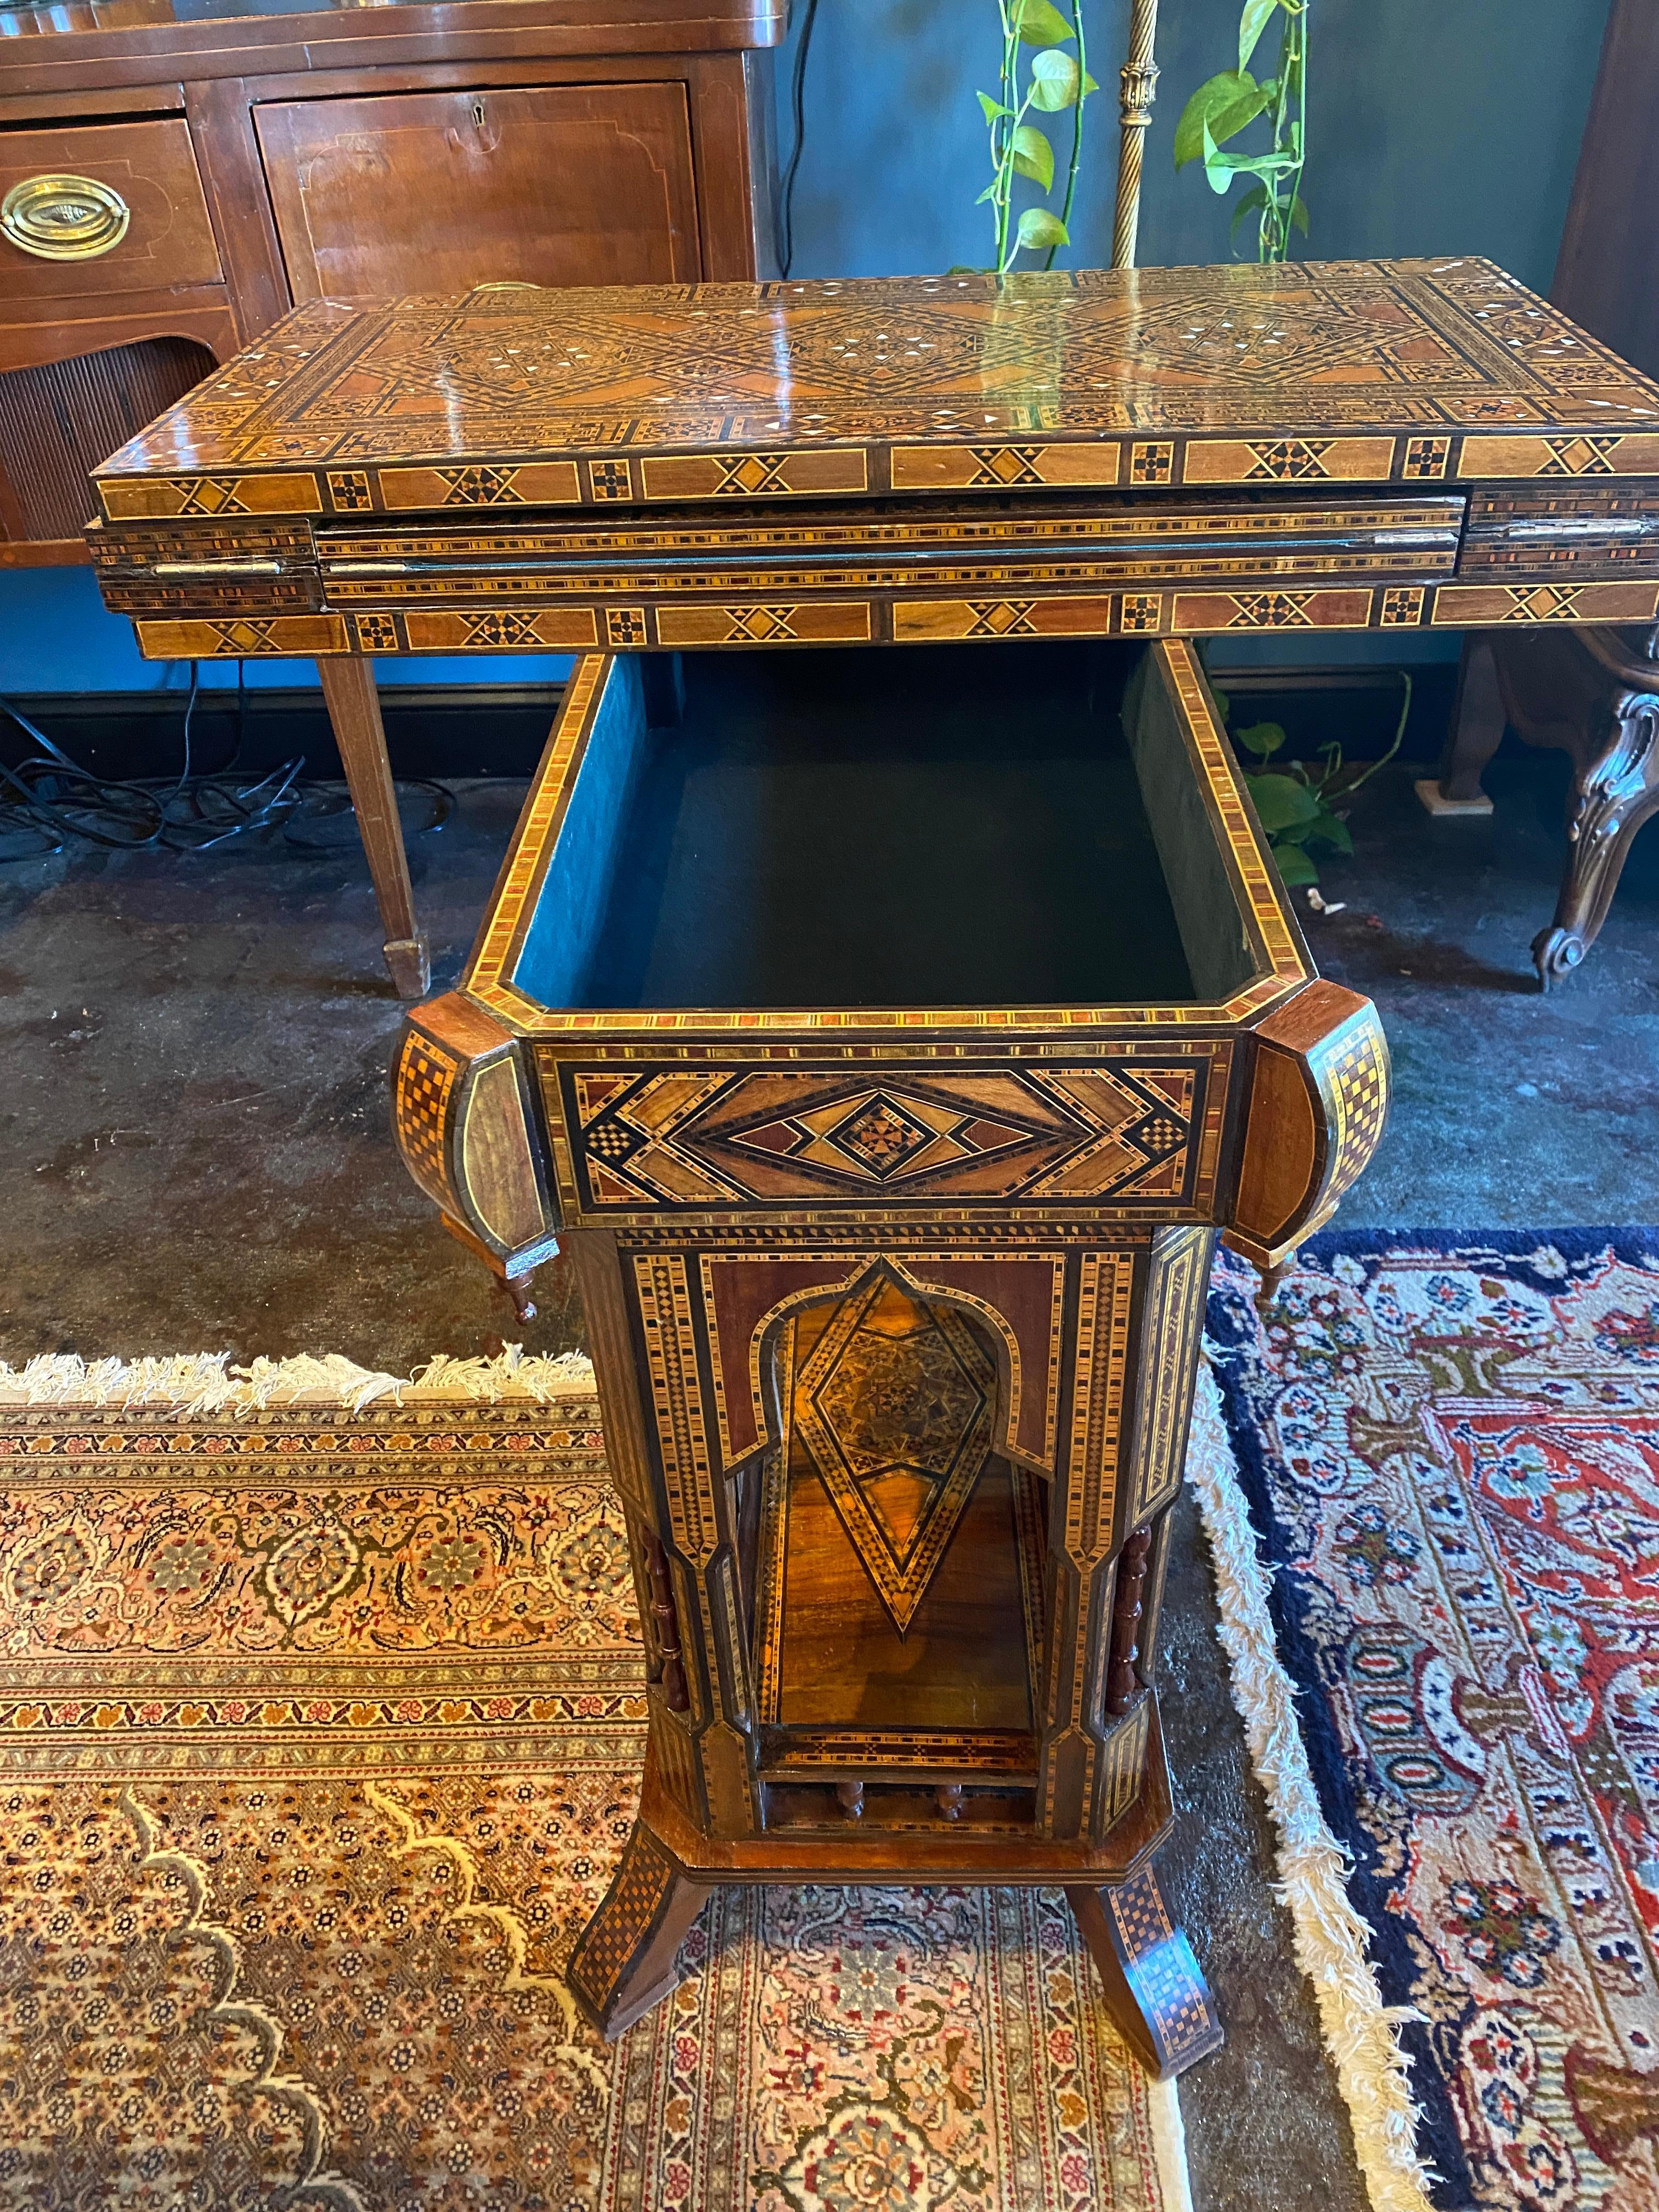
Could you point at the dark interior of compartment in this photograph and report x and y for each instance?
(945, 825)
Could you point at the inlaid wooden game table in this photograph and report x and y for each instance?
(889, 1035)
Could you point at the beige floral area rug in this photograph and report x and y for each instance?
(320, 1729)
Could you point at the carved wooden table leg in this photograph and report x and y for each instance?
(354, 712)
(1477, 731)
(1615, 789)
(1159, 2000)
(624, 1962)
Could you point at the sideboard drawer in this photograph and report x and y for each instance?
(435, 192)
(143, 226)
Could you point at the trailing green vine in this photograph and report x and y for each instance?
(1229, 102)
(1298, 807)
(1056, 82)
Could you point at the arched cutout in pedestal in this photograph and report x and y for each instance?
(898, 1587)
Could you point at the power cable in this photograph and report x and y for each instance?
(49, 800)
(798, 106)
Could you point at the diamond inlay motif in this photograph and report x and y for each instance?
(894, 1406)
(881, 1136)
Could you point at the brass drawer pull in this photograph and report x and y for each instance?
(64, 218)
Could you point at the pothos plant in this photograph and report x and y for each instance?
(1299, 805)
(1229, 102)
(1055, 82)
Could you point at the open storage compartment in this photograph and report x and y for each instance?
(1005, 824)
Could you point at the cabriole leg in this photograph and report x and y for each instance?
(1614, 794)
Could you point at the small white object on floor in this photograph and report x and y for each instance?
(1324, 906)
(1435, 800)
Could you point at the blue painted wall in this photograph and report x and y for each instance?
(1436, 126)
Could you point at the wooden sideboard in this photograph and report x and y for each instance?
(176, 174)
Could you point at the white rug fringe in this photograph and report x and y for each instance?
(1169, 2144)
(1331, 1938)
(206, 1382)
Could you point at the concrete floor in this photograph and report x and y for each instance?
(194, 1131)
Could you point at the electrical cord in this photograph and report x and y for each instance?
(798, 108)
(49, 801)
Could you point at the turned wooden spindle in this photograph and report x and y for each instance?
(666, 1618)
(948, 1797)
(850, 1795)
(1121, 1680)
(1138, 82)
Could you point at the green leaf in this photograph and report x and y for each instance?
(969, 269)
(1261, 738)
(1299, 214)
(1089, 84)
(1226, 103)
(1218, 179)
(1038, 227)
(1295, 868)
(1251, 24)
(1228, 166)
(993, 108)
(1252, 203)
(1222, 703)
(1332, 829)
(1054, 81)
(989, 193)
(1033, 156)
(1039, 23)
(1282, 802)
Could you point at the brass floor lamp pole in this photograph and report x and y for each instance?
(1138, 79)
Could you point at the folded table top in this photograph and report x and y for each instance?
(1409, 373)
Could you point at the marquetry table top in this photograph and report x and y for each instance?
(1346, 372)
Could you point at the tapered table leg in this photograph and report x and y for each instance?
(354, 712)
(1159, 2000)
(623, 1961)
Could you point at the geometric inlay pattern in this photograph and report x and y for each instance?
(1580, 456)
(426, 1075)
(894, 1406)
(1270, 611)
(1402, 606)
(982, 385)
(722, 1137)
(1357, 1080)
(1541, 602)
(1159, 1963)
(1289, 460)
(1426, 459)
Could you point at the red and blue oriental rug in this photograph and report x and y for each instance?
(1449, 1449)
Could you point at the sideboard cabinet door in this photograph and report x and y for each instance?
(433, 191)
